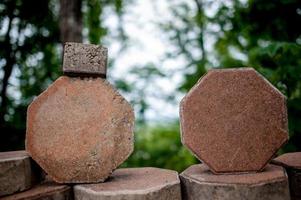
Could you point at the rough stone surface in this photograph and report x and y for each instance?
(198, 182)
(79, 130)
(292, 164)
(234, 120)
(134, 184)
(44, 191)
(17, 172)
(85, 59)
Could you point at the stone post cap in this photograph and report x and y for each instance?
(85, 59)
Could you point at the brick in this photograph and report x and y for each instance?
(85, 59)
(44, 191)
(198, 182)
(292, 163)
(234, 120)
(17, 172)
(79, 130)
(134, 184)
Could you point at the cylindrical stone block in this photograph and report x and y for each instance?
(199, 183)
(292, 163)
(44, 191)
(17, 172)
(133, 184)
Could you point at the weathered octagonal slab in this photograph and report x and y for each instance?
(234, 120)
(133, 184)
(79, 130)
(199, 183)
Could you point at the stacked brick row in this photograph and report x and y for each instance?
(81, 129)
(20, 178)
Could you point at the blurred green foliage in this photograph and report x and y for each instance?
(28, 43)
(160, 146)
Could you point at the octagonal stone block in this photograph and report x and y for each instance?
(234, 120)
(133, 184)
(198, 183)
(79, 130)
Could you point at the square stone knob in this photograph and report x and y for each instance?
(85, 60)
